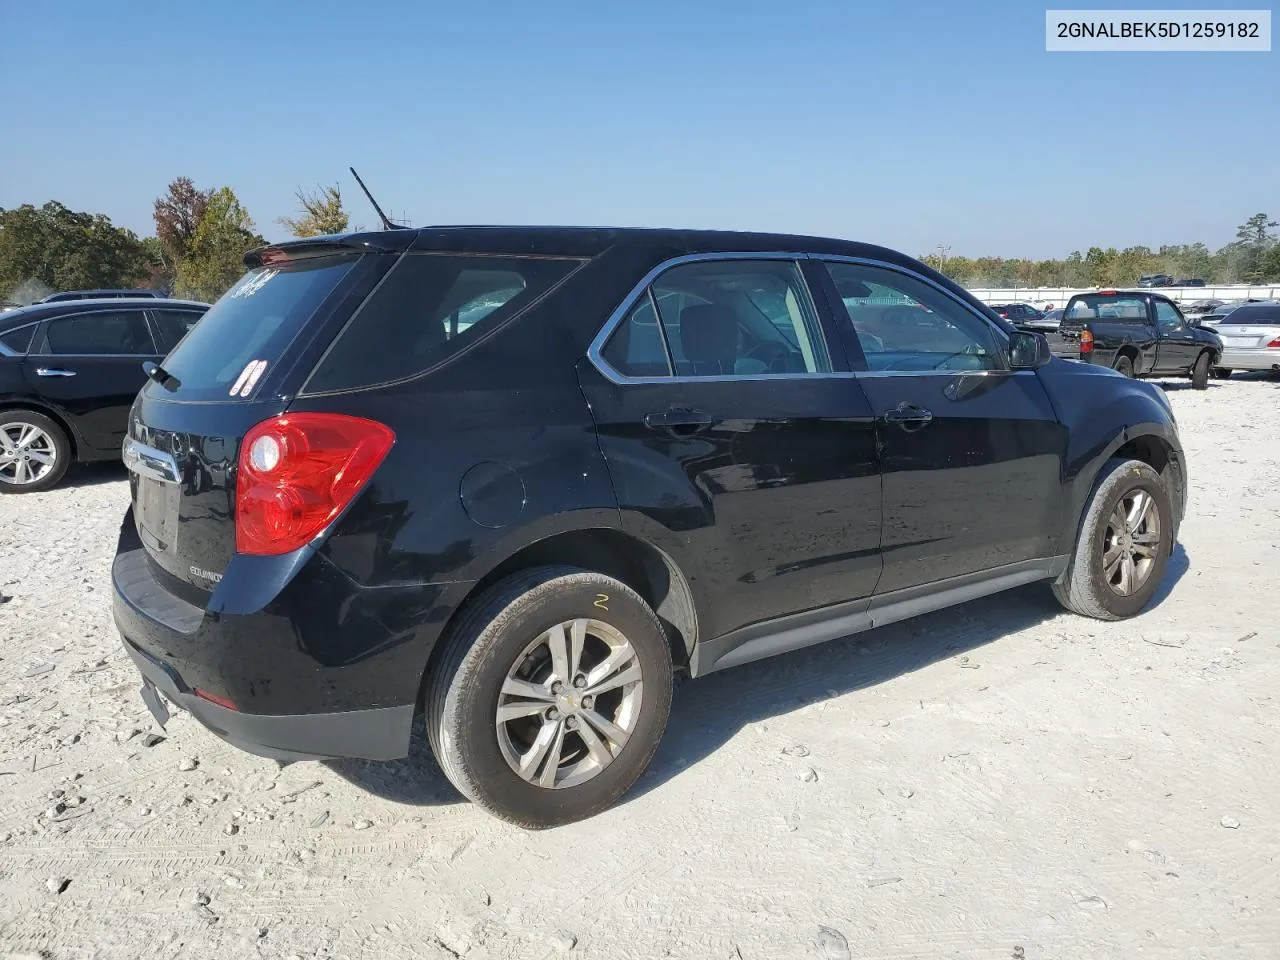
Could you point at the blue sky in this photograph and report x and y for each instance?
(906, 124)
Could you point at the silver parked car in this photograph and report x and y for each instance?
(1250, 338)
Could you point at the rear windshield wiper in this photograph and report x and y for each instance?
(161, 376)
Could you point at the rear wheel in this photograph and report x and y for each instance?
(550, 696)
(34, 452)
(1123, 544)
(1124, 365)
(1200, 372)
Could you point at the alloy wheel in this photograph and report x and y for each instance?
(27, 453)
(569, 703)
(1130, 542)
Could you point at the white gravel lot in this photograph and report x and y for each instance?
(1002, 780)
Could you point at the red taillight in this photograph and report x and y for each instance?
(1086, 341)
(297, 472)
(1274, 344)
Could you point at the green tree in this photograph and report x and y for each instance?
(215, 255)
(1256, 232)
(322, 214)
(66, 250)
(177, 215)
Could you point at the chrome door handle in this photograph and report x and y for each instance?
(54, 372)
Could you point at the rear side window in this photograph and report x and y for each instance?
(253, 322)
(173, 325)
(18, 340)
(730, 318)
(102, 333)
(427, 308)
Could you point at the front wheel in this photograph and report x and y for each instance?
(1200, 372)
(550, 696)
(1123, 544)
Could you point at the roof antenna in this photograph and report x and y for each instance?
(386, 224)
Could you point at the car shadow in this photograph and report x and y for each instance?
(92, 474)
(707, 712)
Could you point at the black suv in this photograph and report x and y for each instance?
(513, 477)
(69, 371)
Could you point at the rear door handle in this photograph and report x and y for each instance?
(678, 421)
(909, 415)
(54, 372)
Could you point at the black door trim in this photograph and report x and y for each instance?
(780, 635)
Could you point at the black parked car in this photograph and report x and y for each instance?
(104, 294)
(1156, 280)
(68, 374)
(1137, 334)
(513, 477)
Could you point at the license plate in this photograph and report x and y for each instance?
(157, 512)
(1239, 341)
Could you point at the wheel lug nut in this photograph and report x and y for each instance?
(571, 723)
(553, 713)
(580, 681)
(587, 701)
(557, 687)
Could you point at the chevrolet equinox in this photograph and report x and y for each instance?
(512, 478)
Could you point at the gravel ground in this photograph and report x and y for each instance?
(1001, 780)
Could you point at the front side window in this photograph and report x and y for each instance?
(1167, 316)
(722, 318)
(904, 324)
(102, 333)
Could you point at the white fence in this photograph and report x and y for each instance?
(1058, 296)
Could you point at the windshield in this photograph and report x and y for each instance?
(252, 324)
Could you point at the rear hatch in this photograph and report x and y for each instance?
(236, 368)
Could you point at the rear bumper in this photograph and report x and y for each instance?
(326, 668)
(1246, 359)
(379, 734)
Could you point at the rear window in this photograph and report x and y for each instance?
(18, 340)
(1263, 315)
(252, 323)
(427, 308)
(1103, 307)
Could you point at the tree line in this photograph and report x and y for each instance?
(1253, 257)
(201, 237)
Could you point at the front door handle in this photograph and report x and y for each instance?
(678, 421)
(54, 372)
(909, 416)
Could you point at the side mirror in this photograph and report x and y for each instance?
(1028, 351)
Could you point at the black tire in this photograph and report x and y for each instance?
(1124, 366)
(59, 445)
(1200, 372)
(490, 639)
(1085, 588)
(1221, 373)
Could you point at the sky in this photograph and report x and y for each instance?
(911, 125)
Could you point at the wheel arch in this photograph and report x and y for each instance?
(53, 413)
(636, 562)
